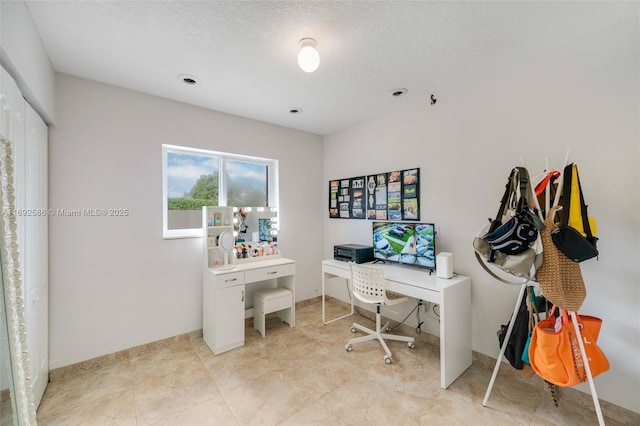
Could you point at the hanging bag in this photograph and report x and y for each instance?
(560, 278)
(511, 240)
(550, 181)
(518, 338)
(554, 354)
(574, 237)
(517, 234)
(536, 304)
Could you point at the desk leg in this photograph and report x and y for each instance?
(455, 332)
(324, 321)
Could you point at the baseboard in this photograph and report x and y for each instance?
(123, 355)
(128, 354)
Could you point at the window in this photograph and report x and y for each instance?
(193, 178)
(246, 183)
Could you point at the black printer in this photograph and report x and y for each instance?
(353, 253)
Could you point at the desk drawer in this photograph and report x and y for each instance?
(229, 280)
(337, 271)
(262, 274)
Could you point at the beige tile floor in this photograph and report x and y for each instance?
(303, 376)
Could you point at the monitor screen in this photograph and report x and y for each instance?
(405, 242)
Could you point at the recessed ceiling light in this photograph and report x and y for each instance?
(398, 92)
(188, 79)
(295, 110)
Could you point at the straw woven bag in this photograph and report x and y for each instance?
(560, 278)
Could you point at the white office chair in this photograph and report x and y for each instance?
(368, 285)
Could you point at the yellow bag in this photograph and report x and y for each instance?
(576, 205)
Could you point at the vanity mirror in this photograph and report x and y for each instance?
(225, 242)
(256, 233)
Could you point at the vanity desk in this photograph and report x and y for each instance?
(225, 292)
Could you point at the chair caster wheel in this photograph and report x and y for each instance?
(387, 359)
(353, 329)
(348, 347)
(411, 345)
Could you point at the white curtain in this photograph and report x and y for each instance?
(14, 302)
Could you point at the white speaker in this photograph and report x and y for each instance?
(444, 265)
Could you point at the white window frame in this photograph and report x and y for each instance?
(272, 183)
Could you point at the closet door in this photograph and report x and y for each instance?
(11, 108)
(26, 131)
(15, 133)
(36, 251)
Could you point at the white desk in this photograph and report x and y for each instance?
(453, 295)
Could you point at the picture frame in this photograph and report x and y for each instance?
(347, 198)
(393, 195)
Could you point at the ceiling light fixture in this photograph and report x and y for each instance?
(308, 57)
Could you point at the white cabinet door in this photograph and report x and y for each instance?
(229, 324)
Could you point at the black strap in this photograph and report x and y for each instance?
(523, 180)
(526, 190)
(508, 189)
(566, 193)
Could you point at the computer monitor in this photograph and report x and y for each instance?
(408, 243)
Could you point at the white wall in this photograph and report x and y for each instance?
(114, 282)
(117, 284)
(24, 57)
(583, 97)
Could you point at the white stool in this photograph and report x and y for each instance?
(277, 299)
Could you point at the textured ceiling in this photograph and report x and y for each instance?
(244, 53)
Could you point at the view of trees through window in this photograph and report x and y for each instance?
(193, 180)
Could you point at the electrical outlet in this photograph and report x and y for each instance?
(437, 232)
(431, 307)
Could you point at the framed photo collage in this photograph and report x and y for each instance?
(383, 196)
